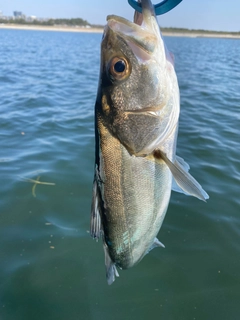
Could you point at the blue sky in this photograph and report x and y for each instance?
(220, 15)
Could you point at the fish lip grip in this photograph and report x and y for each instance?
(160, 8)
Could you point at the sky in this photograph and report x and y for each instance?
(219, 15)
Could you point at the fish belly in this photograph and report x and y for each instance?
(135, 193)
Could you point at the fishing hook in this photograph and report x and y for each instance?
(160, 8)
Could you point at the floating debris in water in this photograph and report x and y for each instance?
(36, 182)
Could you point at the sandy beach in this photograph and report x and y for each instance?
(51, 28)
(200, 35)
(100, 30)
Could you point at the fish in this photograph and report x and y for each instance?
(136, 126)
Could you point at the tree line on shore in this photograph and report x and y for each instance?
(48, 22)
(79, 22)
(185, 30)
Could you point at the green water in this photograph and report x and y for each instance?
(50, 267)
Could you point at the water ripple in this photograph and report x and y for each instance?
(48, 88)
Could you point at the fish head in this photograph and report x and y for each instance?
(134, 82)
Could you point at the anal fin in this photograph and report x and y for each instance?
(111, 270)
(156, 244)
(95, 225)
(96, 229)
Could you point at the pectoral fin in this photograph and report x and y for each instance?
(183, 163)
(183, 179)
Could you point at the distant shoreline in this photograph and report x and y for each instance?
(51, 28)
(191, 34)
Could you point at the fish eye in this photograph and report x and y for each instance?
(119, 68)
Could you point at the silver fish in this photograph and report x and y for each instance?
(136, 120)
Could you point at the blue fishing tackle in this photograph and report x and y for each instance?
(160, 8)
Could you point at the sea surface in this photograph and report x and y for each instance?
(50, 268)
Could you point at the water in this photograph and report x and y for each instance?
(50, 267)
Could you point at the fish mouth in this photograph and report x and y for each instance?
(141, 35)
